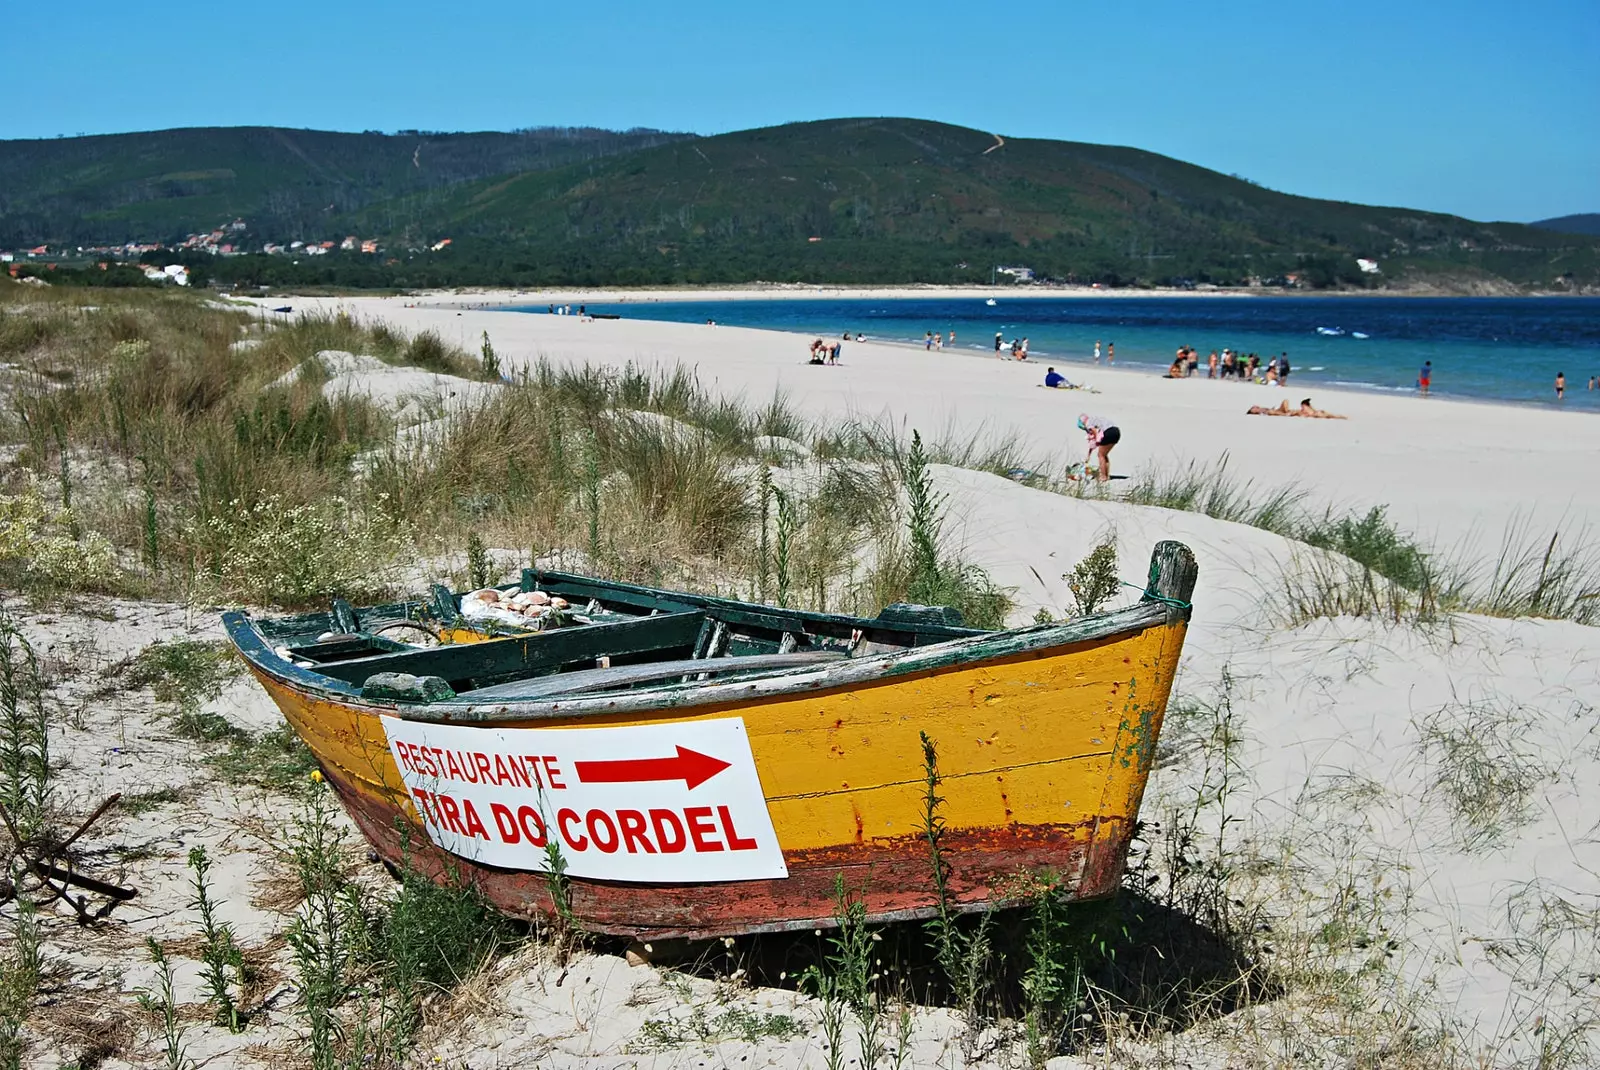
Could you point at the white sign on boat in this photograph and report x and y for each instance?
(668, 803)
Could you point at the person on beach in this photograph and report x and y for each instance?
(1283, 369)
(1097, 351)
(1425, 377)
(1255, 362)
(997, 341)
(1282, 408)
(1175, 369)
(952, 338)
(1111, 352)
(1053, 379)
(1561, 385)
(1211, 366)
(1103, 434)
(1306, 410)
(1228, 363)
(1023, 353)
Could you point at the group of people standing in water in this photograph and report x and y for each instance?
(1231, 365)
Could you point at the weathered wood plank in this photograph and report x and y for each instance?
(545, 649)
(1173, 574)
(571, 683)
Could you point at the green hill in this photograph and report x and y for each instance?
(164, 184)
(847, 200)
(896, 200)
(1585, 223)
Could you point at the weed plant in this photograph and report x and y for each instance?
(161, 1005)
(732, 1023)
(965, 955)
(219, 952)
(1094, 580)
(567, 931)
(1484, 768)
(846, 980)
(1533, 575)
(355, 952)
(324, 934)
(196, 468)
(19, 980)
(25, 773)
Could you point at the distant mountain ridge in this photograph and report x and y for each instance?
(842, 200)
(163, 184)
(1585, 223)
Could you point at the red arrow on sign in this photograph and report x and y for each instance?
(690, 766)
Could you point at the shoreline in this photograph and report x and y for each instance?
(1072, 360)
(459, 302)
(1039, 359)
(488, 297)
(1442, 467)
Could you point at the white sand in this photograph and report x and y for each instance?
(1343, 722)
(1340, 776)
(1447, 469)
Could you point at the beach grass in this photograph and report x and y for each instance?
(177, 448)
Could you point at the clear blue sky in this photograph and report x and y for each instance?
(1490, 110)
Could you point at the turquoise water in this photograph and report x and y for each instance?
(1501, 349)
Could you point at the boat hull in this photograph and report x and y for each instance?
(1043, 755)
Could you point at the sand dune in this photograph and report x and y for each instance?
(1452, 470)
(1412, 805)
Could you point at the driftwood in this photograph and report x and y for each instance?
(43, 858)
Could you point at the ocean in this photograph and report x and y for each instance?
(1496, 349)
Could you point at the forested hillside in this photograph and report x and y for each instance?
(1585, 223)
(894, 199)
(286, 184)
(849, 200)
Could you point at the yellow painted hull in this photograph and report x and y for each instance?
(1043, 757)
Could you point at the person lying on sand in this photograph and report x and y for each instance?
(1306, 409)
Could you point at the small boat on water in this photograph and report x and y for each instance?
(704, 767)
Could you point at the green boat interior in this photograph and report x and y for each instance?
(608, 636)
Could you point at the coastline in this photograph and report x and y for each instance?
(502, 296)
(1449, 468)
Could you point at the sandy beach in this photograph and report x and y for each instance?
(1408, 804)
(1452, 471)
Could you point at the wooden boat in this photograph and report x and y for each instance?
(704, 767)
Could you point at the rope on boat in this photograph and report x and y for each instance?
(1149, 591)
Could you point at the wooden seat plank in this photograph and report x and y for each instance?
(584, 680)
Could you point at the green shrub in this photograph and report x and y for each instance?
(276, 553)
(37, 546)
(1094, 581)
(1372, 541)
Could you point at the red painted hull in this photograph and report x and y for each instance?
(893, 875)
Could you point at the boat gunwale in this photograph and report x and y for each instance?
(1165, 602)
(947, 655)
